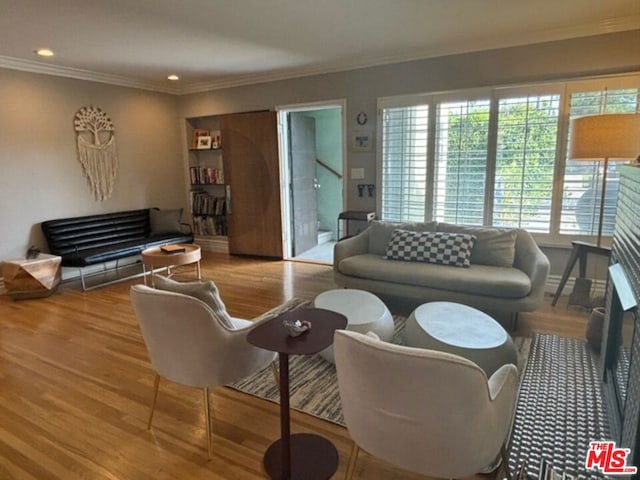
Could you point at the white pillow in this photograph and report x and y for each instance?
(205, 291)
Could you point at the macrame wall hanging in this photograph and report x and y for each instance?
(97, 150)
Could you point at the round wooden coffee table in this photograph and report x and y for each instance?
(154, 258)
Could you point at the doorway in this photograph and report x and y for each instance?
(312, 153)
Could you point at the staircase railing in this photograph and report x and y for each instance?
(335, 172)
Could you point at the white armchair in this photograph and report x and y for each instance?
(191, 345)
(428, 412)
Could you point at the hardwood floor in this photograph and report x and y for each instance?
(76, 384)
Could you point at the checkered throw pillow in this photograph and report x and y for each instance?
(431, 247)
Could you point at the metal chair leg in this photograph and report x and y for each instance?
(351, 467)
(276, 374)
(208, 420)
(156, 383)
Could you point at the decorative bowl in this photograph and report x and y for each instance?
(296, 327)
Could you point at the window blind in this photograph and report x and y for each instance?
(404, 163)
(525, 160)
(461, 161)
(490, 157)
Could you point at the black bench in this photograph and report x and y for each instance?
(97, 239)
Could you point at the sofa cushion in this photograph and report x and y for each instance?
(493, 246)
(205, 291)
(380, 233)
(164, 221)
(431, 247)
(487, 280)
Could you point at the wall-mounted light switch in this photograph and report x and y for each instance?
(357, 173)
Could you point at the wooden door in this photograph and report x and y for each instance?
(302, 139)
(251, 170)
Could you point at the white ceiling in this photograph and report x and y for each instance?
(218, 43)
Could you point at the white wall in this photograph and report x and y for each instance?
(40, 175)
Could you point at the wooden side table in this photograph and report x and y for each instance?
(302, 456)
(154, 257)
(32, 277)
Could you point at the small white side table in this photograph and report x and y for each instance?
(364, 311)
(461, 330)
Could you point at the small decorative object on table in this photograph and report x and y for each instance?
(32, 252)
(296, 327)
(173, 249)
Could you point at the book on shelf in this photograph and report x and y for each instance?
(173, 249)
(209, 225)
(202, 203)
(206, 176)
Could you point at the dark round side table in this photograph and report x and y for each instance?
(301, 456)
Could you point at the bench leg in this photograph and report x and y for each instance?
(84, 287)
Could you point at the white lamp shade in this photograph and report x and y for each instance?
(611, 136)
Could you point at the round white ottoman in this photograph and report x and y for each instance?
(364, 311)
(461, 330)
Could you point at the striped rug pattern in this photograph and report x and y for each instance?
(312, 380)
(560, 408)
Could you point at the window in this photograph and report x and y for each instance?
(404, 173)
(495, 157)
(582, 192)
(525, 161)
(461, 162)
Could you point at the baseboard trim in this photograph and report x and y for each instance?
(212, 244)
(553, 281)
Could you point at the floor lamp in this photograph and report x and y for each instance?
(610, 137)
(595, 138)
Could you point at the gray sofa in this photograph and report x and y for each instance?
(507, 271)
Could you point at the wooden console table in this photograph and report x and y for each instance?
(32, 277)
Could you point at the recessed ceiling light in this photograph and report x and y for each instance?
(173, 77)
(44, 52)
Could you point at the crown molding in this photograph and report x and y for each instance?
(13, 63)
(464, 46)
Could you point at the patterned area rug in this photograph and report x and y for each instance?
(313, 383)
(560, 408)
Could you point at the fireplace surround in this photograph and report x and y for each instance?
(621, 342)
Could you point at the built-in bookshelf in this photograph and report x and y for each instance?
(207, 193)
